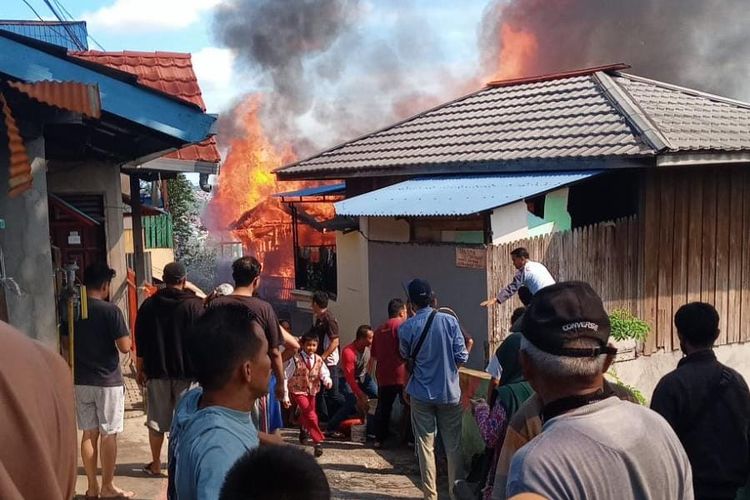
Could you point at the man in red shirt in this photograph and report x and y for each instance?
(356, 385)
(390, 369)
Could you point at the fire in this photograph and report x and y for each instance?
(518, 51)
(242, 202)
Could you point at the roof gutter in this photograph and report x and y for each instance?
(635, 115)
(691, 158)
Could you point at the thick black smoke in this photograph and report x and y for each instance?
(697, 43)
(315, 63)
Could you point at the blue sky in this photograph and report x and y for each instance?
(185, 26)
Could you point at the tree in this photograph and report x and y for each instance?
(190, 236)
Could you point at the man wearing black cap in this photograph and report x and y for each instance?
(433, 346)
(163, 365)
(592, 445)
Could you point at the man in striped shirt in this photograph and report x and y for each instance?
(531, 274)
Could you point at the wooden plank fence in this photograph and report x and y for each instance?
(690, 242)
(605, 255)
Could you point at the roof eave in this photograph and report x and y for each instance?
(537, 165)
(184, 123)
(696, 158)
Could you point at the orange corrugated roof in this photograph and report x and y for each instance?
(20, 167)
(168, 72)
(73, 96)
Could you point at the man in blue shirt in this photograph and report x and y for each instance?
(212, 427)
(433, 387)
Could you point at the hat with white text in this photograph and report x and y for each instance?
(564, 312)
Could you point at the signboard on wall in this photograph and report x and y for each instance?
(471, 258)
(74, 238)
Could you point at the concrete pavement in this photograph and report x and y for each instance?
(354, 470)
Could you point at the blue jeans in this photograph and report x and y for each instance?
(350, 400)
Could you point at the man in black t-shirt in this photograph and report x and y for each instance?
(246, 276)
(100, 396)
(163, 365)
(708, 406)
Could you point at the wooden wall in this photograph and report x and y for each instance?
(696, 244)
(690, 242)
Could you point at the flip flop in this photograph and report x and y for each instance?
(147, 470)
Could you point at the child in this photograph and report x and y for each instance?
(304, 373)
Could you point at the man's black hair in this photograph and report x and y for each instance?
(362, 331)
(698, 323)
(245, 270)
(96, 275)
(321, 299)
(221, 339)
(520, 252)
(276, 473)
(394, 307)
(517, 313)
(525, 295)
(422, 302)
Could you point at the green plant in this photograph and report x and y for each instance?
(625, 325)
(612, 374)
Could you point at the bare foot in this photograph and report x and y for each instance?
(92, 493)
(115, 492)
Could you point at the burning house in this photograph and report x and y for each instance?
(591, 169)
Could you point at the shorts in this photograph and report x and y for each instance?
(100, 408)
(162, 396)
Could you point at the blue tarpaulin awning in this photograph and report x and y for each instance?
(455, 196)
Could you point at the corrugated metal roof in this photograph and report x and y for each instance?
(72, 96)
(71, 35)
(168, 72)
(446, 196)
(571, 117)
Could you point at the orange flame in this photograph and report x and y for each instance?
(243, 198)
(518, 51)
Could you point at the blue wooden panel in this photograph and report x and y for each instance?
(127, 100)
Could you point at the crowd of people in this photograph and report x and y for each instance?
(222, 375)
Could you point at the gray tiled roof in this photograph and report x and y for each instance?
(691, 120)
(579, 117)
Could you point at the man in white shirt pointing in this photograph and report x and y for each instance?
(531, 274)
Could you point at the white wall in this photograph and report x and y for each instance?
(104, 179)
(352, 307)
(645, 372)
(509, 223)
(388, 229)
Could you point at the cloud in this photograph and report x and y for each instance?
(213, 67)
(149, 15)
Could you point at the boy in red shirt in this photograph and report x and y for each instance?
(304, 375)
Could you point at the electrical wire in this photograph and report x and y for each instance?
(71, 18)
(73, 38)
(65, 25)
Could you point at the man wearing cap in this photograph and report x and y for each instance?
(592, 445)
(163, 365)
(532, 275)
(433, 346)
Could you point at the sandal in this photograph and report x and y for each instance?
(147, 470)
